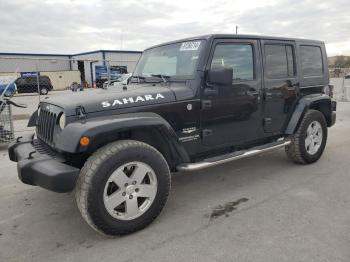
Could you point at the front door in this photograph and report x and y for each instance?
(231, 114)
(281, 83)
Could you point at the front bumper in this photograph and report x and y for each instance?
(38, 165)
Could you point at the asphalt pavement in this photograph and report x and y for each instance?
(263, 208)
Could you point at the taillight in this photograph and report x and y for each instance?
(328, 90)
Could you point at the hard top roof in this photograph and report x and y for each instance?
(234, 36)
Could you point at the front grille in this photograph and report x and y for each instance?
(47, 122)
(42, 148)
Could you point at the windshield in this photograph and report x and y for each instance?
(174, 60)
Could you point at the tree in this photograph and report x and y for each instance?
(342, 61)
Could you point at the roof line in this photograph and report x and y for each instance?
(107, 51)
(33, 54)
(70, 55)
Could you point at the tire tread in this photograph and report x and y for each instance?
(294, 150)
(90, 168)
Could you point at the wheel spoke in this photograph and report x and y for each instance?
(114, 200)
(309, 130)
(311, 147)
(318, 139)
(148, 191)
(120, 178)
(307, 141)
(132, 208)
(139, 173)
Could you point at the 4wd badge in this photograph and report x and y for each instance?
(131, 100)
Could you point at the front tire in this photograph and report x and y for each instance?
(123, 187)
(309, 141)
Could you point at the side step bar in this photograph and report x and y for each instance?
(214, 161)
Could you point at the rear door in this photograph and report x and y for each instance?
(281, 83)
(233, 114)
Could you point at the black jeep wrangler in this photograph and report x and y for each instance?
(190, 104)
(29, 84)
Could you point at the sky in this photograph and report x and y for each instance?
(73, 26)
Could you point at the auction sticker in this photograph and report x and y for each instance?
(190, 46)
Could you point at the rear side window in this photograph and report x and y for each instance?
(279, 61)
(25, 80)
(311, 60)
(237, 56)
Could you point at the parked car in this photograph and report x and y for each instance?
(29, 84)
(190, 104)
(10, 90)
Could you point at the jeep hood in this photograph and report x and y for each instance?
(95, 100)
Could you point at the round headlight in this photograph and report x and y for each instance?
(62, 121)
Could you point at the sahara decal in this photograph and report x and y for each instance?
(132, 100)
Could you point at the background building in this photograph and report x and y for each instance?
(63, 69)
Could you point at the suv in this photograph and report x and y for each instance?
(29, 84)
(190, 104)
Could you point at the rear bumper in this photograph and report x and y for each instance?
(37, 167)
(334, 118)
(334, 114)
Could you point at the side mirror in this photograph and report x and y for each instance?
(220, 75)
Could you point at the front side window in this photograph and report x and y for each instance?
(173, 60)
(237, 56)
(279, 62)
(311, 60)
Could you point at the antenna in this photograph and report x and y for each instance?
(121, 39)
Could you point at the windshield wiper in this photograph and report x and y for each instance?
(163, 77)
(138, 78)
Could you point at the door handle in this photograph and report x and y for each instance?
(211, 92)
(206, 104)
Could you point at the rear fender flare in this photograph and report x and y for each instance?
(302, 106)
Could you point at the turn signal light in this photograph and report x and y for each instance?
(84, 141)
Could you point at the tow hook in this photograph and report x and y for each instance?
(31, 154)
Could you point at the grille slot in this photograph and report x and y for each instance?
(42, 148)
(46, 123)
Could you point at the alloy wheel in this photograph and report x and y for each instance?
(130, 191)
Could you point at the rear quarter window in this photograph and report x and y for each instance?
(311, 61)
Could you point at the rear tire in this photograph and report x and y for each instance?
(110, 194)
(310, 139)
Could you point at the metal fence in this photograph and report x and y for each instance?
(36, 78)
(6, 123)
(338, 72)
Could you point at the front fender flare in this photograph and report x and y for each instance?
(102, 130)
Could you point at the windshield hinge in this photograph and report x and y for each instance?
(80, 112)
